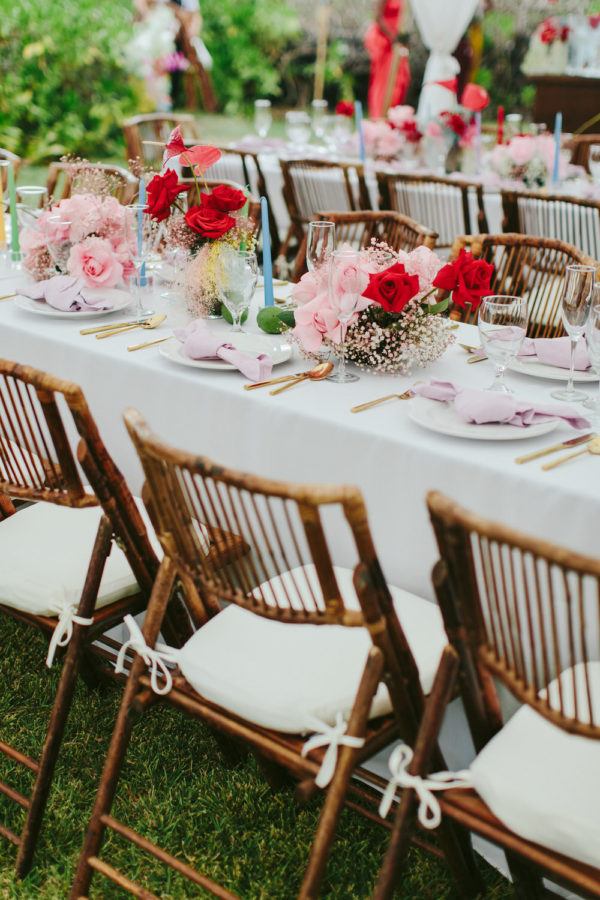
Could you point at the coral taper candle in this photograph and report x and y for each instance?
(557, 140)
(500, 132)
(15, 247)
(358, 118)
(267, 263)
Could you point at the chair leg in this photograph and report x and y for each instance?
(527, 881)
(336, 793)
(62, 703)
(121, 735)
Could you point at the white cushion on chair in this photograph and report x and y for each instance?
(45, 551)
(281, 675)
(544, 783)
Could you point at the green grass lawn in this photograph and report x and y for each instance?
(179, 790)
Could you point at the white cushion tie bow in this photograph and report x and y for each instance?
(429, 812)
(63, 632)
(156, 658)
(331, 737)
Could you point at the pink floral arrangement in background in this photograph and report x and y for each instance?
(527, 158)
(382, 141)
(404, 120)
(94, 227)
(393, 323)
(551, 30)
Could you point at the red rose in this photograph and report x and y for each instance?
(344, 108)
(411, 131)
(224, 198)
(455, 122)
(392, 288)
(548, 32)
(162, 190)
(209, 222)
(594, 20)
(468, 279)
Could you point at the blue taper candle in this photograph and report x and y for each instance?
(358, 118)
(557, 137)
(267, 263)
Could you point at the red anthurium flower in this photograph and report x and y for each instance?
(393, 288)
(468, 279)
(200, 158)
(162, 190)
(174, 145)
(209, 222)
(224, 198)
(344, 108)
(475, 98)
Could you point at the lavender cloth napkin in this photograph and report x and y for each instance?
(549, 351)
(67, 294)
(199, 342)
(484, 407)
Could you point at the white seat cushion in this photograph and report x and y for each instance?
(44, 556)
(281, 676)
(544, 783)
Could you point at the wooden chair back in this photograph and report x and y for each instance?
(568, 219)
(153, 127)
(450, 206)
(314, 184)
(580, 145)
(361, 227)
(289, 574)
(66, 178)
(527, 266)
(12, 158)
(523, 612)
(39, 416)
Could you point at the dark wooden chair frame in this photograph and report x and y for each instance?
(390, 659)
(476, 658)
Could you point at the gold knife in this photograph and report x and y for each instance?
(573, 442)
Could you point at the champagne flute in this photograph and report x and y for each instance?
(141, 235)
(343, 262)
(502, 324)
(592, 338)
(236, 281)
(320, 244)
(575, 308)
(31, 199)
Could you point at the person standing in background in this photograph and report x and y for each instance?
(385, 47)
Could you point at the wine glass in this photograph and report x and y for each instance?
(594, 163)
(592, 338)
(236, 281)
(575, 308)
(320, 244)
(297, 129)
(502, 326)
(58, 241)
(341, 262)
(319, 111)
(31, 199)
(141, 235)
(262, 117)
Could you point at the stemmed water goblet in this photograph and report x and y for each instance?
(320, 244)
(319, 112)
(297, 129)
(141, 236)
(502, 323)
(262, 118)
(592, 339)
(58, 241)
(346, 303)
(575, 309)
(237, 276)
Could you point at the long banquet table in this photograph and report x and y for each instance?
(309, 434)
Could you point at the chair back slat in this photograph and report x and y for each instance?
(527, 612)
(68, 178)
(569, 219)
(153, 127)
(526, 266)
(361, 227)
(313, 185)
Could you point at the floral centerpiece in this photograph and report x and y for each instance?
(548, 50)
(397, 322)
(211, 220)
(528, 159)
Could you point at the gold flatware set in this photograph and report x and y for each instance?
(318, 373)
(371, 403)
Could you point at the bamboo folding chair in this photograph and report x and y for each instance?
(580, 145)
(310, 185)
(524, 614)
(443, 204)
(65, 179)
(37, 463)
(568, 219)
(153, 128)
(14, 159)
(525, 266)
(250, 672)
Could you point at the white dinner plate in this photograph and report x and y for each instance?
(552, 373)
(252, 344)
(443, 418)
(120, 300)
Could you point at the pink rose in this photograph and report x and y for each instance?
(349, 276)
(522, 149)
(389, 144)
(309, 286)
(422, 262)
(400, 115)
(95, 261)
(314, 321)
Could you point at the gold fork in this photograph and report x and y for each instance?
(362, 406)
(152, 322)
(113, 326)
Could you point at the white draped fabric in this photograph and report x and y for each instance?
(441, 24)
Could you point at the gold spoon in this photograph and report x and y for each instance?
(152, 322)
(593, 447)
(112, 326)
(272, 381)
(317, 374)
(370, 403)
